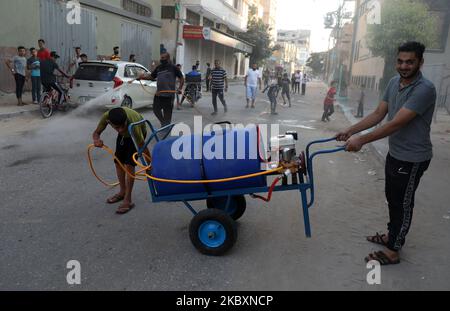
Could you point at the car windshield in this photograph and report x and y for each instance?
(96, 72)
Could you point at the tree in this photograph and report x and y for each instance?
(317, 63)
(258, 34)
(401, 21)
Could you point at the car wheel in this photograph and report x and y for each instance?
(127, 102)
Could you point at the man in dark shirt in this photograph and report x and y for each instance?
(219, 83)
(165, 75)
(409, 103)
(48, 77)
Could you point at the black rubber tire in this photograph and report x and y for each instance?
(127, 102)
(220, 202)
(45, 110)
(225, 221)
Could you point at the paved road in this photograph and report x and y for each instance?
(53, 211)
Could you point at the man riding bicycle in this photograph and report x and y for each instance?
(48, 77)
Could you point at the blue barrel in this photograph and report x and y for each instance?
(221, 154)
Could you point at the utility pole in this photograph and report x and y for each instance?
(178, 15)
(336, 26)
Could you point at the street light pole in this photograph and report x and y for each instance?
(338, 42)
(178, 14)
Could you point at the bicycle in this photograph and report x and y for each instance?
(49, 102)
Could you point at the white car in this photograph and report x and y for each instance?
(109, 79)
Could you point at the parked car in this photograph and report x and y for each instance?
(95, 78)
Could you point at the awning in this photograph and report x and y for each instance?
(206, 33)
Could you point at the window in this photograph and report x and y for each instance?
(167, 12)
(130, 72)
(137, 8)
(443, 21)
(236, 4)
(207, 22)
(140, 70)
(358, 45)
(133, 71)
(192, 18)
(96, 72)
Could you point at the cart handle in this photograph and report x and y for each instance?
(320, 141)
(154, 134)
(310, 158)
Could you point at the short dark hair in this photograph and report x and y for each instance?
(77, 48)
(32, 49)
(41, 40)
(20, 48)
(83, 55)
(117, 116)
(413, 46)
(54, 54)
(208, 64)
(115, 48)
(194, 67)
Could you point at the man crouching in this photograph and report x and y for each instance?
(120, 119)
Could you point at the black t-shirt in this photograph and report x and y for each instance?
(47, 71)
(166, 77)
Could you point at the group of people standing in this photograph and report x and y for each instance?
(298, 79)
(40, 66)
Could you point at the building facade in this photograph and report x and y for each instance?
(339, 58)
(301, 39)
(133, 25)
(368, 70)
(206, 30)
(287, 57)
(270, 16)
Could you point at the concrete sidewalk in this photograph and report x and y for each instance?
(9, 108)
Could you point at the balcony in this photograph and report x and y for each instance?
(219, 11)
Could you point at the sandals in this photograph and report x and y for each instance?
(125, 208)
(382, 258)
(377, 239)
(115, 198)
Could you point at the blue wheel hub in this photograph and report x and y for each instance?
(212, 234)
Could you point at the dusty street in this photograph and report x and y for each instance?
(53, 210)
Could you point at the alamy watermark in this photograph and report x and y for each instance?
(73, 277)
(73, 16)
(221, 141)
(373, 16)
(374, 275)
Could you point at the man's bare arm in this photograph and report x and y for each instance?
(96, 137)
(370, 121)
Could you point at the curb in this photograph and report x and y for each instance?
(9, 115)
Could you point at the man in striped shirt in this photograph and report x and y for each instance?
(219, 83)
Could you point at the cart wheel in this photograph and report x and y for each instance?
(213, 232)
(235, 210)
